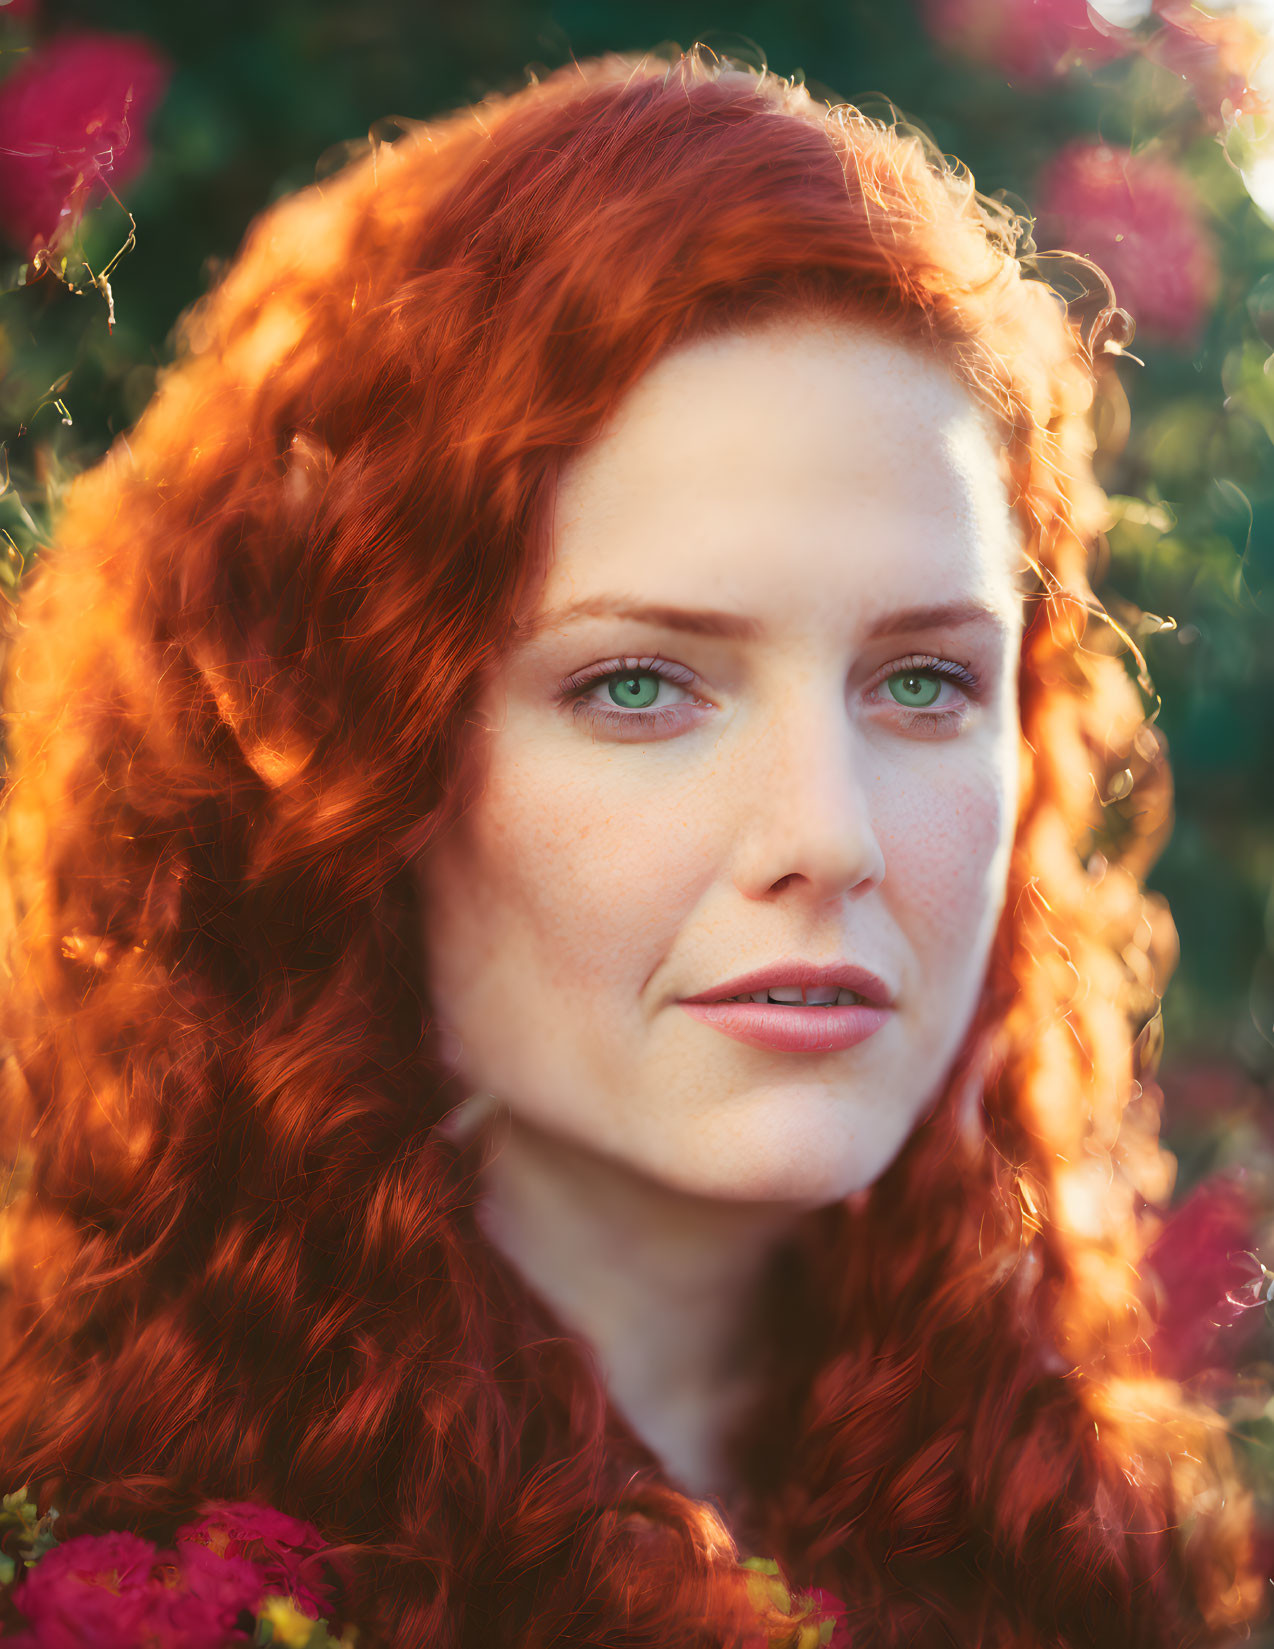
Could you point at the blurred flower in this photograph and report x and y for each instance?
(206, 1596)
(821, 1616)
(95, 1589)
(15, 9)
(72, 126)
(830, 1612)
(1246, 115)
(1263, 1551)
(281, 1547)
(1137, 217)
(1029, 39)
(237, 1571)
(1218, 52)
(1205, 1092)
(1208, 1278)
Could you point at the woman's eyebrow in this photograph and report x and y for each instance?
(736, 627)
(700, 620)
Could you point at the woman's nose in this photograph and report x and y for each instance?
(804, 805)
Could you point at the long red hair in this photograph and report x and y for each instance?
(240, 1256)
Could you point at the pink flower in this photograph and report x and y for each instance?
(1138, 218)
(116, 1591)
(104, 1592)
(1203, 1091)
(1216, 53)
(72, 125)
(1027, 39)
(1209, 1280)
(280, 1547)
(210, 1594)
(96, 1589)
(830, 1608)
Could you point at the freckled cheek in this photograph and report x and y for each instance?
(586, 878)
(944, 853)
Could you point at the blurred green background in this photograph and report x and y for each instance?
(1139, 136)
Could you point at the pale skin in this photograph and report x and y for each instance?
(816, 482)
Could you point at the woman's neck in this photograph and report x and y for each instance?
(663, 1285)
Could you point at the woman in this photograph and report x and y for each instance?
(380, 870)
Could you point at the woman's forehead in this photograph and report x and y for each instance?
(838, 461)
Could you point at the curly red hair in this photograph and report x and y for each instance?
(240, 1257)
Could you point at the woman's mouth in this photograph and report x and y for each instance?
(781, 1020)
(820, 996)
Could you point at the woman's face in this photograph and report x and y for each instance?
(763, 710)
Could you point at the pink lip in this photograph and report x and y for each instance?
(794, 970)
(791, 1028)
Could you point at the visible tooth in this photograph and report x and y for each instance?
(824, 996)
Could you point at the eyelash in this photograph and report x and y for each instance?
(930, 722)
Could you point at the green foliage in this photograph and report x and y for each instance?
(35, 1536)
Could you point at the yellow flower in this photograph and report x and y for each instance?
(290, 1628)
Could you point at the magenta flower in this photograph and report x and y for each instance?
(1210, 1280)
(830, 1609)
(280, 1548)
(103, 1592)
(72, 127)
(97, 1590)
(1026, 39)
(116, 1591)
(1138, 218)
(208, 1597)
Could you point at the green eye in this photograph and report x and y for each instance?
(914, 689)
(636, 691)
